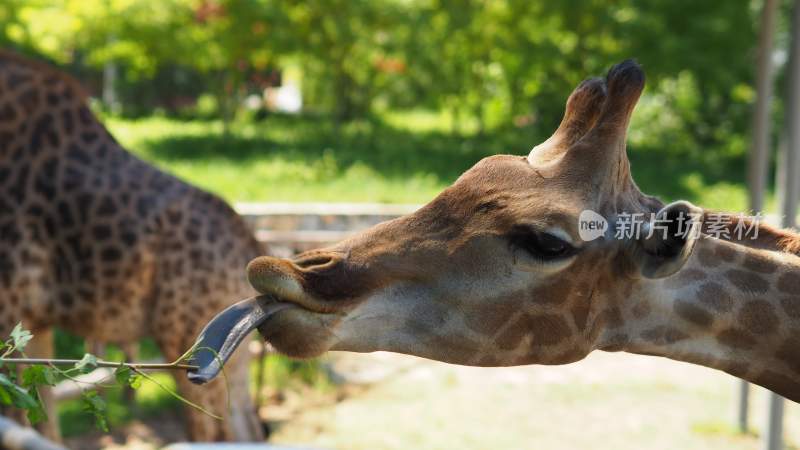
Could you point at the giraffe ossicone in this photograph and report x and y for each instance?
(493, 271)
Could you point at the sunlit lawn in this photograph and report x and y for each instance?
(399, 158)
(284, 159)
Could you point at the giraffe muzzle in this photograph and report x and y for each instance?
(223, 334)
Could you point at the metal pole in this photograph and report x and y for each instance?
(791, 193)
(743, 391)
(759, 154)
(773, 438)
(758, 166)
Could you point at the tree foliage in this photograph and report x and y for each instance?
(500, 62)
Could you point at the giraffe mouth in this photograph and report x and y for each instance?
(223, 334)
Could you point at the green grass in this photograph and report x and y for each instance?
(398, 158)
(284, 159)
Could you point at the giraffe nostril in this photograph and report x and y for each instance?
(315, 261)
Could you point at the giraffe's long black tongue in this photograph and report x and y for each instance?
(220, 338)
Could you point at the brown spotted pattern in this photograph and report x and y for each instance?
(738, 295)
(102, 244)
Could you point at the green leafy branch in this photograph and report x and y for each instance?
(21, 389)
(92, 361)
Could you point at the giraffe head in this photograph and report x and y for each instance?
(493, 271)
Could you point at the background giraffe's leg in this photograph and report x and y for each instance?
(24, 298)
(96, 348)
(243, 412)
(41, 346)
(233, 401)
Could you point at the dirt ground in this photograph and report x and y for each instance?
(608, 401)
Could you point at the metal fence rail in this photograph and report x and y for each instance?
(290, 228)
(14, 436)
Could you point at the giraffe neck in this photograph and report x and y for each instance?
(94, 212)
(46, 117)
(733, 307)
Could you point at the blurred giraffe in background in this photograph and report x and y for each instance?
(106, 246)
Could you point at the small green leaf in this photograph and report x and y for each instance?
(94, 404)
(5, 396)
(20, 397)
(36, 415)
(38, 375)
(20, 336)
(123, 375)
(87, 364)
(49, 376)
(94, 401)
(135, 382)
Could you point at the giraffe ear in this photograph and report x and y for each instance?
(667, 241)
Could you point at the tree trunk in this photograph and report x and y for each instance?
(455, 124)
(109, 86)
(224, 100)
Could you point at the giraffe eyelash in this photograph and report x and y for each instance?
(541, 245)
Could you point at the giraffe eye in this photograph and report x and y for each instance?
(541, 245)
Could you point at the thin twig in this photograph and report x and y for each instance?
(68, 376)
(176, 395)
(100, 363)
